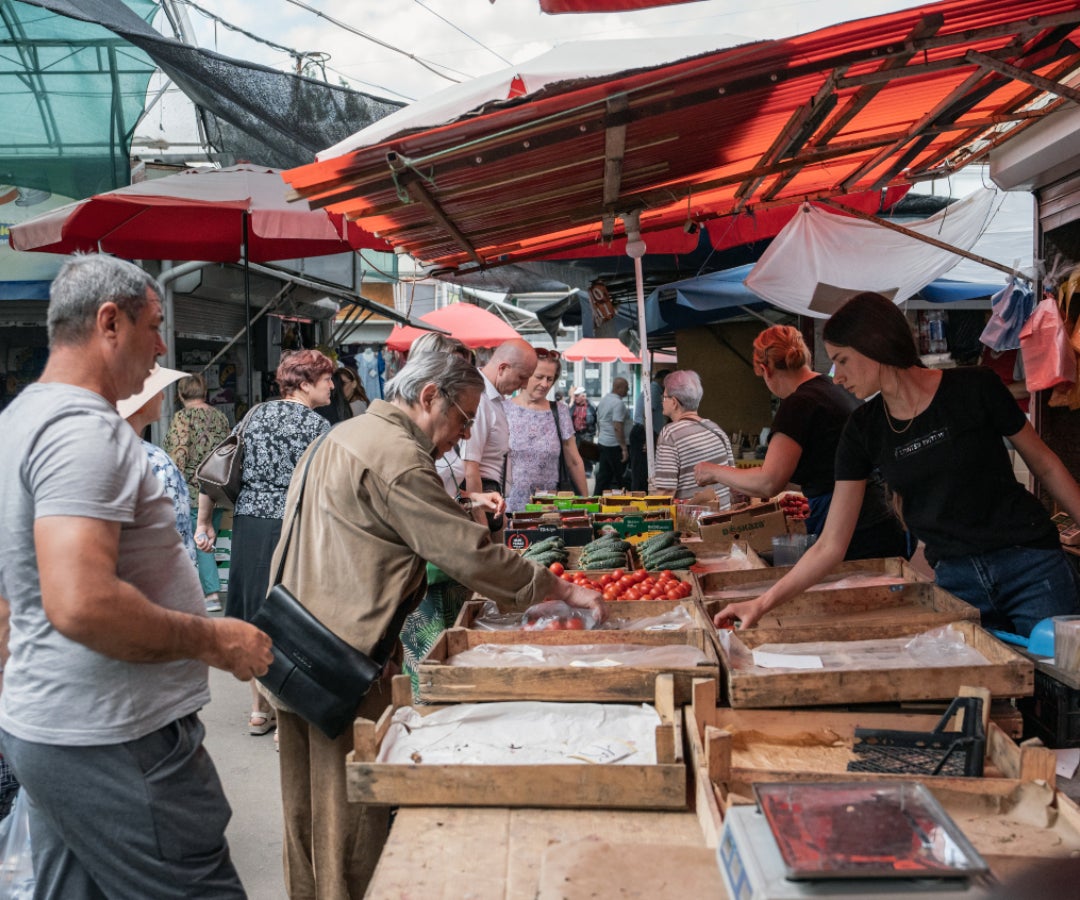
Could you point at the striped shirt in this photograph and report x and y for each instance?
(680, 447)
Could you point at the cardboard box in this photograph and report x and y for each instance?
(564, 500)
(629, 524)
(625, 500)
(522, 534)
(757, 525)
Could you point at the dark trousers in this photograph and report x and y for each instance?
(609, 470)
(639, 459)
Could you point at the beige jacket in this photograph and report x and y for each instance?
(374, 510)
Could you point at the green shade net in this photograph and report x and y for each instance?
(71, 93)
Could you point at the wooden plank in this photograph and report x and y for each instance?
(628, 871)
(571, 786)
(497, 854)
(705, 805)
(895, 566)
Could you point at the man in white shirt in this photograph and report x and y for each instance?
(485, 452)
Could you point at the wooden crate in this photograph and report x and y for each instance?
(814, 745)
(1009, 674)
(866, 611)
(584, 786)
(443, 683)
(711, 582)
(713, 555)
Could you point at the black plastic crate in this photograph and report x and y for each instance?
(1053, 713)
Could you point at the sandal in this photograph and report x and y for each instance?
(260, 722)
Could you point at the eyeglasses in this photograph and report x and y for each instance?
(469, 420)
(544, 353)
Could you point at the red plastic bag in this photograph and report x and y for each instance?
(1049, 359)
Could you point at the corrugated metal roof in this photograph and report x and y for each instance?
(854, 107)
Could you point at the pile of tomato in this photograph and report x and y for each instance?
(622, 585)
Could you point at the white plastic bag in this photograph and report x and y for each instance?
(16, 864)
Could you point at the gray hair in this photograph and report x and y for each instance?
(434, 342)
(685, 386)
(448, 372)
(84, 284)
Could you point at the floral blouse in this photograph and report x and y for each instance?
(192, 434)
(176, 490)
(276, 436)
(534, 451)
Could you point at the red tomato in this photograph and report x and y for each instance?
(566, 576)
(574, 624)
(631, 594)
(617, 574)
(673, 594)
(667, 574)
(557, 568)
(641, 574)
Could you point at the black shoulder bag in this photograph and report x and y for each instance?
(315, 673)
(566, 483)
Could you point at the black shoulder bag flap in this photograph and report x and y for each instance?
(315, 673)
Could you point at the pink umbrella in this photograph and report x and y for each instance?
(601, 350)
(473, 326)
(197, 214)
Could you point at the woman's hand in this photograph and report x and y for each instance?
(205, 537)
(744, 614)
(492, 501)
(584, 598)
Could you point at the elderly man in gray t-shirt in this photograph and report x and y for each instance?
(109, 638)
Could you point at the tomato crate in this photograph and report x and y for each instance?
(1053, 712)
(577, 782)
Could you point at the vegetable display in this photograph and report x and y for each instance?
(663, 551)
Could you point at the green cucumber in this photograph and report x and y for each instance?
(543, 547)
(659, 560)
(680, 562)
(659, 541)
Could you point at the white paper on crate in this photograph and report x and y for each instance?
(523, 733)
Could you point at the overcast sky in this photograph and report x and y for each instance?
(494, 33)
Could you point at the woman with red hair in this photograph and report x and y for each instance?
(276, 435)
(802, 446)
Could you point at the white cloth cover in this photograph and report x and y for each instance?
(822, 258)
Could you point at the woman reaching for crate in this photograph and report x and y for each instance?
(802, 446)
(936, 437)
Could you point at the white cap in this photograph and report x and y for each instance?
(580, 390)
(158, 379)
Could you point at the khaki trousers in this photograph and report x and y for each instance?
(331, 846)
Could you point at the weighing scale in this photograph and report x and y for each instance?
(1068, 530)
(833, 840)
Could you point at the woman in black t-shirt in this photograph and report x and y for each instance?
(936, 437)
(802, 446)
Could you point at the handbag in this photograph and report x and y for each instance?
(220, 475)
(566, 483)
(315, 673)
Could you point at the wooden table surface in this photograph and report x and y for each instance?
(441, 853)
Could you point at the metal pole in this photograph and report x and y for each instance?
(635, 249)
(247, 319)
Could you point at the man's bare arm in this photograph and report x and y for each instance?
(87, 602)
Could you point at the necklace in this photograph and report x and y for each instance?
(889, 420)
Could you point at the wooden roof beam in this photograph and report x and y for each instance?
(929, 118)
(1017, 74)
(803, 123)
(405, 176)
(614, 151)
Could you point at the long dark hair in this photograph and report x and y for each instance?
(875, 327)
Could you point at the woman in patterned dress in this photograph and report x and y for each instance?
(276, 436)
(536, 440)
(194, 431)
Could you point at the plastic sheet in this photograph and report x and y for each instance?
(491, 619)
(600, 656)
(16, 865)
(935, 648)
(523, 733)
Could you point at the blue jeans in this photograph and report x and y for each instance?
(1013, 588)
(207, 563)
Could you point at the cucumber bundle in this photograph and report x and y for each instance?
(607, 552)
(546, 552)
(663, 551)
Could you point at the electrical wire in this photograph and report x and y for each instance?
(461, 31)
(430, 66)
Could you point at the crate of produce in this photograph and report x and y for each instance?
(882, 664)
(630, 524)
(623, 616)
(862, 610)
(738, 584)
(619, 662)
(757, 524)
(635, 760)
(1053, 712)
(723, 556)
